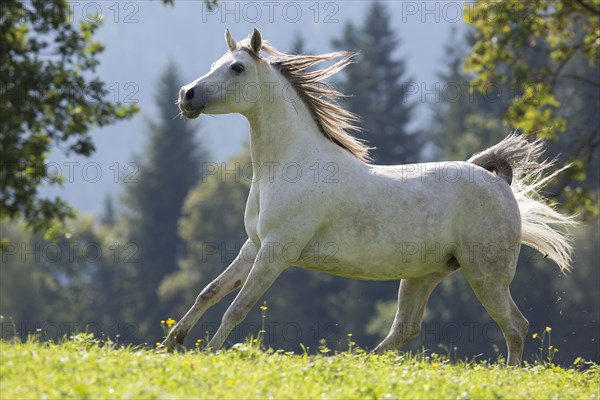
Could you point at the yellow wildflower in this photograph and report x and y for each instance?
(535, 335)
(185, 363)
(548, 329)
(170, 322)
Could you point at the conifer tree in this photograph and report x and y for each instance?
(108, 216)
(377, 90)
(377, 87)
(169, 166)
(465, 120)
(298, 45)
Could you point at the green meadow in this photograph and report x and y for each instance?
(85, 368)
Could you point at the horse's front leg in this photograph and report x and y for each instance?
(231, 279)
(269, 264)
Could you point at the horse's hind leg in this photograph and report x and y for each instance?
(232, 278)
(499, 304)
(491, 288)
(412, 298)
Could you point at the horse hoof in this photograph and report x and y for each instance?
(168, 344)
(381, 349)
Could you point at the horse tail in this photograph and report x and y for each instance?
(516, 160)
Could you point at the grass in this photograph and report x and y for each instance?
(84, 368)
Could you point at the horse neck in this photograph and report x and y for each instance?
(280, 128)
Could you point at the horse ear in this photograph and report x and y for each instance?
(256, 41)
(231, 44)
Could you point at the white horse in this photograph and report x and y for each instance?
(314, 190)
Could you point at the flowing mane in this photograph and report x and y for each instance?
(321, 98)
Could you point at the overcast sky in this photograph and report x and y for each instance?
(141, 36)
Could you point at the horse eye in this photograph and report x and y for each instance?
(238, 68)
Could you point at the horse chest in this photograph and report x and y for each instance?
(251, 215)
(281, 213)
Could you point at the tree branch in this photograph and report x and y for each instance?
(588, 7)
(584, 152)
(580, 79)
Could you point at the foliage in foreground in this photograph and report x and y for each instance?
(82, 368)
(51, 97)
(547, 54)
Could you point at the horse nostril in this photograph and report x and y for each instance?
(189, 94)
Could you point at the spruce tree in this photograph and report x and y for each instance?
(109, 215)
(169, 166)
(465, 121)
(376, 85)
(298, 45)
(377, 90)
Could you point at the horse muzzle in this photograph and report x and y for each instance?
(189, 111)
(192, 101)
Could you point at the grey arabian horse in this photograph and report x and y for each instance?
(384, 220)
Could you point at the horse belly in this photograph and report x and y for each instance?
(389, 260)
(383, 238)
